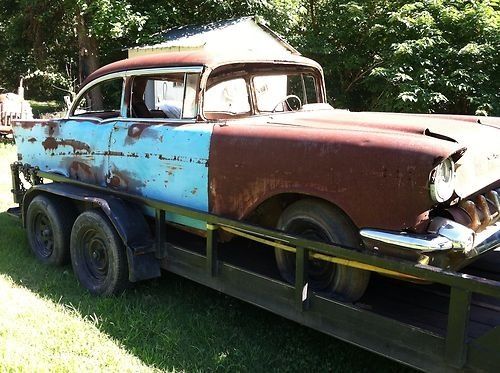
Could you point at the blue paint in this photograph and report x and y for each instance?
(74, 148)
(164, 162)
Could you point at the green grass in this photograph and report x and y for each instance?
(48, 322)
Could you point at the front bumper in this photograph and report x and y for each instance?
(447, 244)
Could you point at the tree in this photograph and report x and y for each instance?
(62, 41)
(420, 56)
(444, 57)
(391, 55)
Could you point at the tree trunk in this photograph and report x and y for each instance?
(88, 56)
(312, 13)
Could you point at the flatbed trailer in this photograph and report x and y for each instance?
(451, 324)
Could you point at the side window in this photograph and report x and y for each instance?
(165, 96)
(230, 96)
(102, 100)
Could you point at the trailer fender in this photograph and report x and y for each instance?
(125, 216)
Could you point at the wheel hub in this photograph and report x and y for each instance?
(44, 235)
(95, 255)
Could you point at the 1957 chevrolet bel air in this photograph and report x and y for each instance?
(251, 137)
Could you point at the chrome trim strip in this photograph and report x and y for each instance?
(488, 239)
(419, 242)
(444, 234)
(167, 121)
(461, 237)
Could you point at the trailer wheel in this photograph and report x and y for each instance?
(319, 221)
(98, 255)
(48, 225)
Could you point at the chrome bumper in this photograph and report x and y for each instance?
(443, 236)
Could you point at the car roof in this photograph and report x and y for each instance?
(198, 58)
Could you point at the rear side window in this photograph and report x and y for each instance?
(102, 98)
(171, 95)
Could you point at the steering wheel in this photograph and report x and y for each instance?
(285, 99)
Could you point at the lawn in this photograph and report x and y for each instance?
(47, 322)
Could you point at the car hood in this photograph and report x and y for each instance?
(477, 168)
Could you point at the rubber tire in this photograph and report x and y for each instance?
(60, 217)
(329, 224)
(93, 224)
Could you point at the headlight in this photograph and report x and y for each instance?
(442, 181)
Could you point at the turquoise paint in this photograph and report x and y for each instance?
(75, 148)
(165, 162)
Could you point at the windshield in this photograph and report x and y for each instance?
(284, 92)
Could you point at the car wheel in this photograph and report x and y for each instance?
(316, 220)
(48, 226)
(98, 255)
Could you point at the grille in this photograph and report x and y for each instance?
(479, 212)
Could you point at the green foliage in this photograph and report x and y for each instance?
(420, 56)
(444, 57)
(390, 55)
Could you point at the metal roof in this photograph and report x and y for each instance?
(198, 36)
(198, 58)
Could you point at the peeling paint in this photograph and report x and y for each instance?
(50, 143)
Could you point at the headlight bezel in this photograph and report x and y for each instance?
(442, 181)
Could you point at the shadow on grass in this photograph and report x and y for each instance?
(173, 323)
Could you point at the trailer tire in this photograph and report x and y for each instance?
(48, 226)
(317, 220)
(98, 255)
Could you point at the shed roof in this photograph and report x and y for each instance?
(240, 33)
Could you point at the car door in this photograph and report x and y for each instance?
(158, 157)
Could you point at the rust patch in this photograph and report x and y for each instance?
(81, 171)
(136, 131)
(383, 185)
(50, 143)
(124, 180)
(25, 124)
(171, 170)
(19, 157)
(31, 140)
(84, 169)
(115, 181)
(184, 159)
(53, 128)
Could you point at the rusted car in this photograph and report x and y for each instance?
(251, 137)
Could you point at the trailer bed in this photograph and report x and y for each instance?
(451, 324)
(421, 310)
